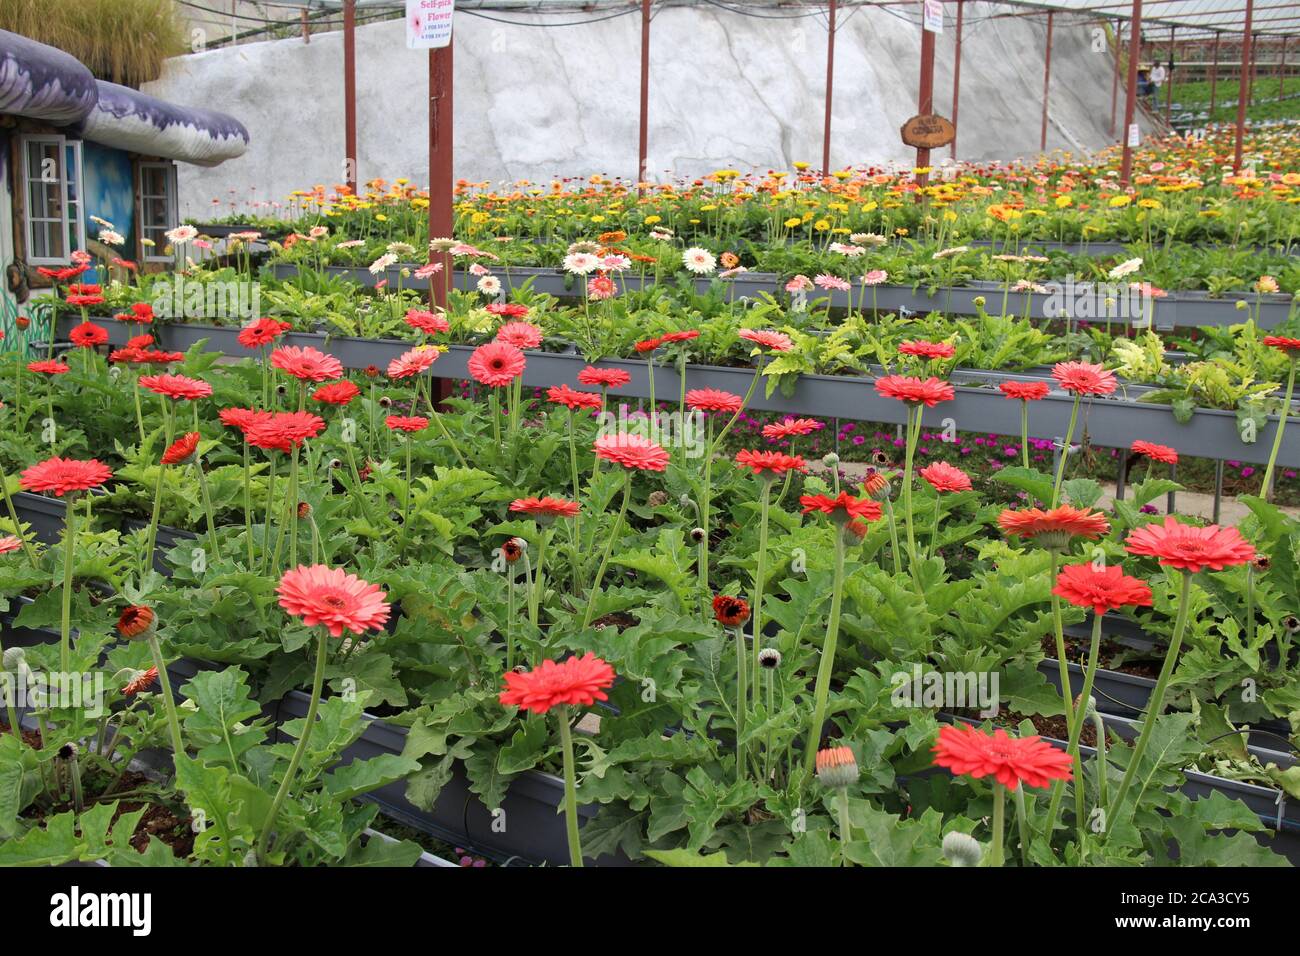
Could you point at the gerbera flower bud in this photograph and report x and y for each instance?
(1090, 707)
(730, 611)
(385, 402)
(831, 460)
(877, 486)
(770, 658)
(282, 389)
(657, 499)
(336, 463)
(135, 622)
(68, 751)
(837, 768)
(962, 849)
(1262, 562)
(304, 511)
(512, 550)
(1291, 623)
(979, 301)
(697, 535)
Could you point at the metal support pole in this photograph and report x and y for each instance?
(1114, 80)
(441, 189)
(830, 87)
(1047, 83)
(1130, 95)
(306, 26)
(350, 93)
(1243, 85)
(956, 79)
(1214, 74)
(1254, 70)
(644, 141)
(1281, 71)
(925, 103)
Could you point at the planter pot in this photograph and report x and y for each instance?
(167, 539)
(533, 829)
(426, 859)
(45, 515)
(1110, 422)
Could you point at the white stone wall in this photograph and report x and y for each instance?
(726, 91)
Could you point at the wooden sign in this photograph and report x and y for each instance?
(928, 132)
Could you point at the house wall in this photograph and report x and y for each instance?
(726, 91)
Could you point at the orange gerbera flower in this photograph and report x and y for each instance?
(945, 477)
(182, 449)
(1054, 528)
(1161, 453)
(778, 463)
(1081, 378)
(929, 392)
(64, 475)
(730, 611)
(631, 451)
(546, 507)
(713, 400)
(135, 621)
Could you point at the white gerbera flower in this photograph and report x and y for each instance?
(580, 263)
(382, 263)
(489, 285)
(1126, 268)
(699, 261)
(181, 234)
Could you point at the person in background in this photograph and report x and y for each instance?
(1158, 77)
(1145, 87)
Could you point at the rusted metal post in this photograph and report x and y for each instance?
(306, 26)
(1254, 70)
(830, 87)
(1281, 71)
(925, 104)
(956, 79)
(350, 93)
(1130, 95)
(1243, 87)
(441, 183)
(644, 135)
(1047, 83)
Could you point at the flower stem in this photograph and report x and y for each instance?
(1157, 701)
(1022, 823)
(1065, 453)
(846, 828)
(65, 619)
(570, 789)
(609, 546)
(827, 663)
(742, 693)
(1266, 489)
(169, 700)
(760, 573)
(1075, 720)
(1024, 432)
(999, 824)
(264, 841)
(207, 507)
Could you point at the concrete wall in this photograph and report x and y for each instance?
(726, 91)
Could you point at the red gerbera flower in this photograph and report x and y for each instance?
(945, 477)
(306, 363)
(631, 451)
(648, 345)
(927, 350)
(334, 598)
(843, 507)
(283, 431)
(1104, 589)
(48, 367)
(430, 323)
(969, 751)
(730, 611)
(514, 310)
(778, 463)
(263, 332)
(176, 387)
(1061, 523)
(88, 335)
(1161, 453)
(337, 393)
(141, 683)
(161, 358)
(713, 400)
(684, 336)
(139, 341)
(141, 312)
(546, 507)
(915, 391)
(790, 428)
(776, 341)
(605, 377)
(182, 449)
(522, 335)
(126, 354)
(1025, 391)
(496, 364)
(1288, 345)
(241, 418)
(1082, 378)
(1189, 547)
(414, 361)
(579, 681)
(408, 424)
(572, 398)
(62, 475)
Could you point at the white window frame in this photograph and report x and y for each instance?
(155, 254)
(62, 144)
